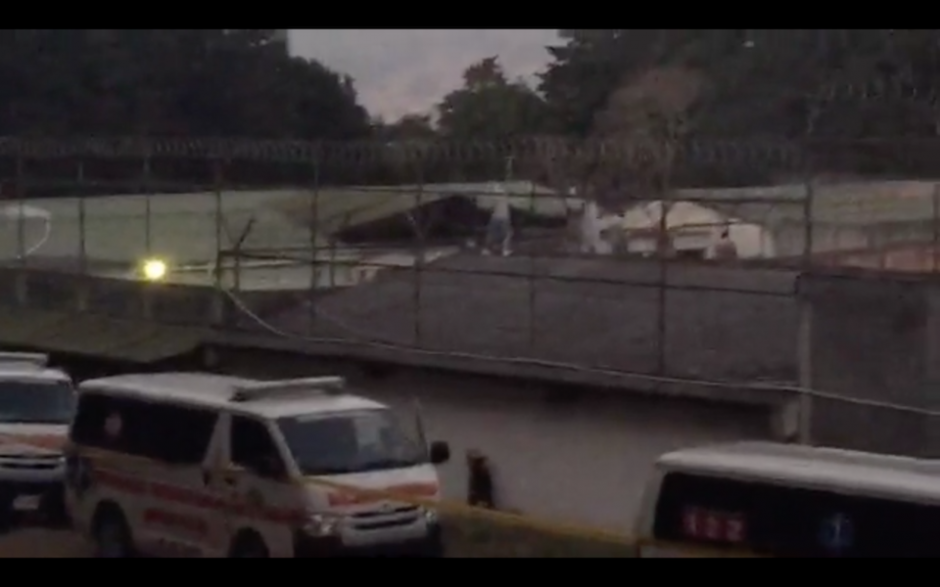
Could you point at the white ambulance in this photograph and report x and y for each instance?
(198, 465)
(36, 406)
(777, 500)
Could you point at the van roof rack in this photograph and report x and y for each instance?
(37, 360)
(322, 386)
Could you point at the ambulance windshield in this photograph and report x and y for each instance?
(36, 402)
(351, 442)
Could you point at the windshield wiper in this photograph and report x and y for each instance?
(328, 470)
(379, 464)
(363, 466)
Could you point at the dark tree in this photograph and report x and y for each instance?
(166, 82)
(490, 106)
(848, 83)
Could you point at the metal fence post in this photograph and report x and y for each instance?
(533, 290)
(418, 253)
(808, 231)
(805, 366)
(805, 330)
(219, 224)
(146, 185)
(20, 194)
(223, 315)
(662, 246)
(314, 246)
(935, 228)
(82, 245)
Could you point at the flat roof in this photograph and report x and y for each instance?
(594, 311)
(841, 471)
(215, 392)
(22, 371)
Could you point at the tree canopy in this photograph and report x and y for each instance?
(170, 82)
(606, 82)
(490, 106)
(783, 83)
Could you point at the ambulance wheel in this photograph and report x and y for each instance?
(249, 545)
(110, 533)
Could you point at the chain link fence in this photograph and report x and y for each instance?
(384, 247)
(644, 289)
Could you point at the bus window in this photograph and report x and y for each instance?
(779, 521)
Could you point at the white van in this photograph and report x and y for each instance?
(36, 406)
(199, 465)
(774, 500)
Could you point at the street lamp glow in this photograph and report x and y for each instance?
(154, 270)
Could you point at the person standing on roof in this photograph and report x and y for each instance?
(499, 229)
(725, 249)
(590, 228)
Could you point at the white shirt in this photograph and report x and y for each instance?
(501, 209)
(590, 227)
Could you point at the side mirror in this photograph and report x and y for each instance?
(440, 452)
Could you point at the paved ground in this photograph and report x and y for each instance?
(467, 541)
(42, 543)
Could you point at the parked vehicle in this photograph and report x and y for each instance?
(36, 406)
(780, 500)
(201, 465)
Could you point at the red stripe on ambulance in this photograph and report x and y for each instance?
(191, 525)
(120, 482)
(173, 494)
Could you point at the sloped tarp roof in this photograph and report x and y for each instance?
(97, 336)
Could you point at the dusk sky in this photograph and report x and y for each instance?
(403, 71)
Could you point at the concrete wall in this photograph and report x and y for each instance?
(870, 341)
(584, 462)
(118, 298)
(922, 258)
(790, 238)
(579, 458)
(932, 372)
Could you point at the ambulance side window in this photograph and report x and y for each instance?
(787, 521)
(173, 434)
(254, 449)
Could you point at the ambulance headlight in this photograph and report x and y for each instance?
(318, 525)
(430, 516)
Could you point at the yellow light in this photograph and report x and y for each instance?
(154, 270)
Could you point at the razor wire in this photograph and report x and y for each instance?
(366, 152)
(793, 155)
